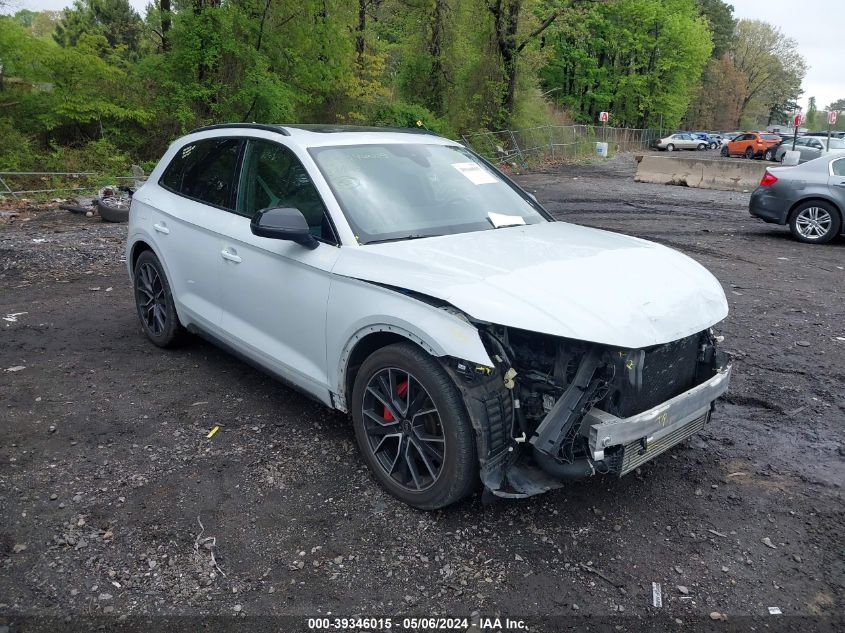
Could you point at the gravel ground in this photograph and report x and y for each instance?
(115, 504)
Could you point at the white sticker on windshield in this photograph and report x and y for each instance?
(475, 173)
(498, 220)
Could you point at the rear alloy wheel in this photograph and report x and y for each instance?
(769, 155)
(724, 151)
(749, 153)
(155, 302)
(412, 427)
(814, 222)
(701, 146)
(670, 148)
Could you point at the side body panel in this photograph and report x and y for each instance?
(358, 308)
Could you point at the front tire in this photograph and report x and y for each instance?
(814, 222)
(724, 151)
(154, 302)
(413, 429)
(701, 146)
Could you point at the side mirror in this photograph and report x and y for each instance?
(283, 224)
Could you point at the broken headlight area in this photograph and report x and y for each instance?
(554, 410)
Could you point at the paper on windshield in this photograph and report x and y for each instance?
(475, 173)
(499, 220)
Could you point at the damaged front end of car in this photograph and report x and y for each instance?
(553, 410)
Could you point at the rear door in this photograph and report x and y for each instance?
(836, 182)
(274, 292)
(199, 187)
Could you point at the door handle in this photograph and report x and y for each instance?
(228, 255)
(161, 228)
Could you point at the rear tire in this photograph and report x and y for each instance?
(670, 148)
(701, 146)
(749, 153)
(814, 222)
(769, 155)
(154, 302)
(429, 407)
(724, 151)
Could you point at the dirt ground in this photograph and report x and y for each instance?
(114, 503)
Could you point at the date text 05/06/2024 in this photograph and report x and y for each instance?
(415, 624)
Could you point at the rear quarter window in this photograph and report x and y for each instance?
(838, 167)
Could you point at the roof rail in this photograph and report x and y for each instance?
(278, 129)
(322, 128)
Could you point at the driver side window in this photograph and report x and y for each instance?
(272, 176)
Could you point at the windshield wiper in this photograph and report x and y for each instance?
(413, 236)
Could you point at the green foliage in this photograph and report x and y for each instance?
(115, 20)
(721, 22)
(399, 114)
(638, 59)
(96, 86)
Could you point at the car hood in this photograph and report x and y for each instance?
(555, 278)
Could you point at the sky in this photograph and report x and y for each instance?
(806, 22)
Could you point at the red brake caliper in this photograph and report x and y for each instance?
(401, 389)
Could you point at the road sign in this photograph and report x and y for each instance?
(604, 116)
(831, 117)
(797, 120)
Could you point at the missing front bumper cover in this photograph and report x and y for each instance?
(659, 423)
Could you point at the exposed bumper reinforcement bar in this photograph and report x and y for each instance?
(606, 430)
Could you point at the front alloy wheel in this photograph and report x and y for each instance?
(403, 427)
(412, 427)
(814, 222)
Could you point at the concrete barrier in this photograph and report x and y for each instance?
(703, 173)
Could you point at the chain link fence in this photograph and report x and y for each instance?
(556, 143)
(16, 184)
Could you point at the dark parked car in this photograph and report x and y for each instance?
(809, 197)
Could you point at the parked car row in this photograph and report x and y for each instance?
(687, 140)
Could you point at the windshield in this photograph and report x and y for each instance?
(408, 190)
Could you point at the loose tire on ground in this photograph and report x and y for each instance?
(815, 222)
(154, 302)
(388, 368)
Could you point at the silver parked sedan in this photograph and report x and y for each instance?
(810, 147)
(680, 140)
(809, 197)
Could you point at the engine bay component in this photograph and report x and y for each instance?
(554, 410)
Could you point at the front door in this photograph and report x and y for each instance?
(274, 292)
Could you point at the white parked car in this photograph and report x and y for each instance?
(397, 276)
(680, 140)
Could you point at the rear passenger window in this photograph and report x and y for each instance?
(838, 167)
(205, 171)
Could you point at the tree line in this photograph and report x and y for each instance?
(97, 84)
